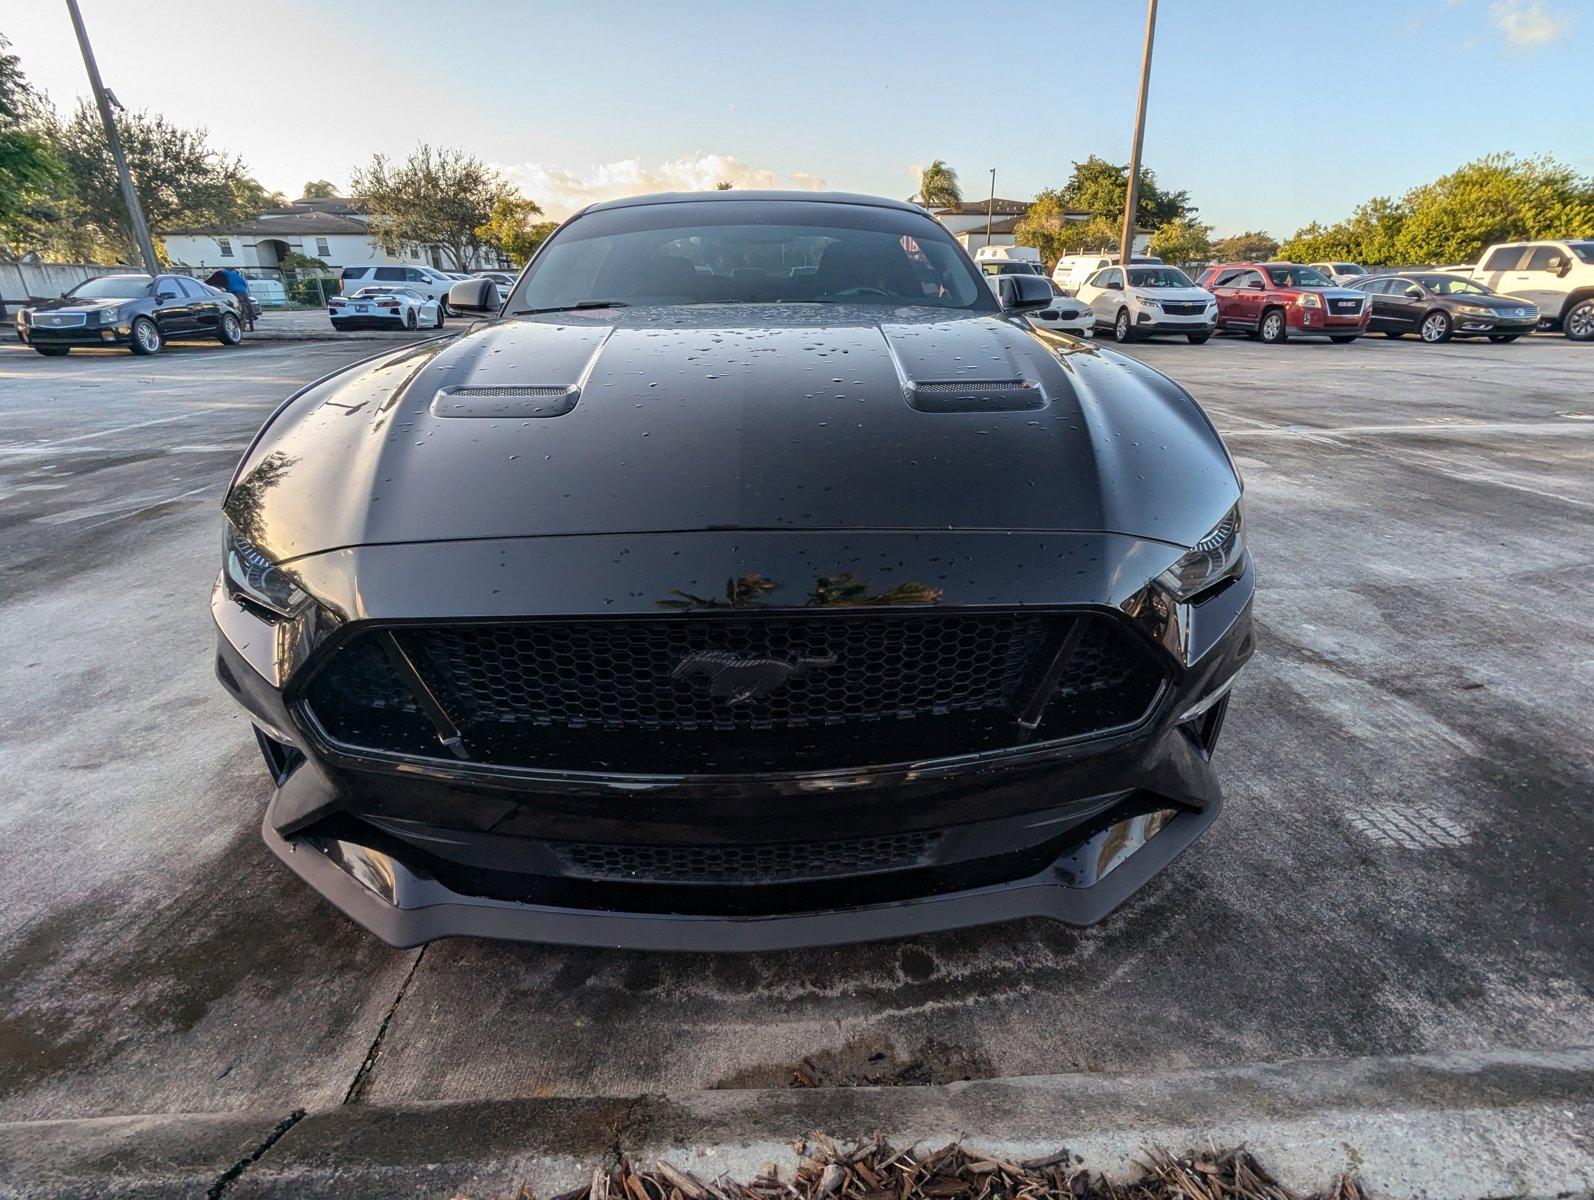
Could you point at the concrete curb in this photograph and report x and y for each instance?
(1435, 1127)
(333, 335)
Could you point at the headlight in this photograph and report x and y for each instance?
(258, 578)
(1214, 558)
(1311, 300)
(1475, 310)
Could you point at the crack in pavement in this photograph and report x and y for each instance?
(231, 1174)
(357, 1086)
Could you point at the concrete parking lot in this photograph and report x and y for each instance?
(1402, 865)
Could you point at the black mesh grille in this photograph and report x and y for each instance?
(713, 694)
(765, 862)
(1184, 308)
(1344, 307)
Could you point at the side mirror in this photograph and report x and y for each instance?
(165, 295)
(475, 297)
(1255, 285)
(1414, 292)
(1020, 293)
(1560, 265)
(1114, 286)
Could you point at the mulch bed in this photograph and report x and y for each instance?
(876, 1171)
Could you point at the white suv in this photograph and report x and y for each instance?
(432, 284)
(1556, 276)
(1345, 274)
(1157, 300)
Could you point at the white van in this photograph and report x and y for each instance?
(1073, 269)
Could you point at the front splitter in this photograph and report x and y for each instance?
(404, 908)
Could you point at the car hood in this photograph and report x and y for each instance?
(781, 417)
(67, 304)
(1495, 302)
(1189, 295)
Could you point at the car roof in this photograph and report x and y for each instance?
(733, 195)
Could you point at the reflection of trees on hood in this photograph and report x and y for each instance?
(245, 504)
(842, 590)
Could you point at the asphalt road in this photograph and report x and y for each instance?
(1402, 865)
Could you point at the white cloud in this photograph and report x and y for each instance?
(561, 190)
(1527, 25)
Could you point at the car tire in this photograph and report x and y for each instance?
(439, 323)
(339, 326)
(1504, 337)
(1122, 330)
(1578, 323)
(231, 331)
(1197, 339)
(409, 319)
(54, 351)
(1342, 339)
(1273, 328)
(146, 339)
(446, 310)
(1396, 334)
(1435, 327)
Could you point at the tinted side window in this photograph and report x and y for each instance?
(1113, 276)
(1503, 259)
(1539, 258)
(191, 286)
(411, 275)
(354, 272)
(390, 274)
(1227, 278)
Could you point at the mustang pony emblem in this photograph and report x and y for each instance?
(741, 679)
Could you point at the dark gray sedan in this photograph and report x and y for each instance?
(138, 311)
(1437, 307)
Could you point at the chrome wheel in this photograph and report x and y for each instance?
(231, 331)
(1120, 328)
(1436, 327)
(1273, 327)
(146, 338)
(1580, 322)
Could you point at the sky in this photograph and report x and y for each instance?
(1269, 114)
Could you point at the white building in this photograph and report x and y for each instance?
(969, 223)
(333, 230)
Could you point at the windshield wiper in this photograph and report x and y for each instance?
(579, 304)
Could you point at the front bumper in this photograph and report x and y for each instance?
(1474, 326)
(419, 849)
(1200, 323)
(77, 335)
(1303, 321)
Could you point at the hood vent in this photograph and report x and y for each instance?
(504, 401)
(977, 396)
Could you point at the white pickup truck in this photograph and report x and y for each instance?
(1556, 276)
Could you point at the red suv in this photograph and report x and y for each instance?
(1278, 301)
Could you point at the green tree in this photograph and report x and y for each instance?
(938, 186)
(1252, 246)
(435, 197)
(1048, 227)
(1100, 188)
(34, 184)
(181, 179)
(1496, 198)
(1182, 241)
(511, 229)
(320, 189)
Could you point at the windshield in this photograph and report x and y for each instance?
(1012, 267)
(751, 252)
(1584, 250)
(1298, 277)
(1348, 269)
(1158, 277)
(1452, 285)
(111, 287)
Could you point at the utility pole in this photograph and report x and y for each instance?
(135, 212)
(1126, 245)
(990, 208)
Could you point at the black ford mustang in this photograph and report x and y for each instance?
(755, 579)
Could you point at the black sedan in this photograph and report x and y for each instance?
(136, 311)
(756, 578)
(1437, 307)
